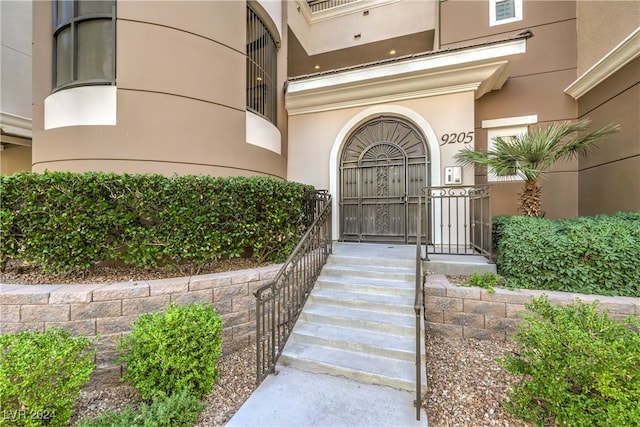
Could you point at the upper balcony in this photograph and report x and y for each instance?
(330, 34)
(320, 5)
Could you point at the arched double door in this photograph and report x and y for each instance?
(383, 168)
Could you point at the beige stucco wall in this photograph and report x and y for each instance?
(609, 179)
(14, 158)
(610, 176)
(180, 100)
(535, 87)
(595, 40)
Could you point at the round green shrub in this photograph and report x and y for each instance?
(41, 374)
(173, 351)
(577, 367)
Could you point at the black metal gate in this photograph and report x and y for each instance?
(383, 169)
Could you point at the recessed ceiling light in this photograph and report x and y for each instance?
(392, 52)
(317, 67)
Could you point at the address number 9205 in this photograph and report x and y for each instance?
(457, 138)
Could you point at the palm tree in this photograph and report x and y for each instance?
(531, 155)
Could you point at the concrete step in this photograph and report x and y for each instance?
(401, 347)
(409, 262)
(372, 271)
(367, 284)
(367, 368)
(362, 284)
(464, 265)
(359, 321)
(381, 303)
(400, 324)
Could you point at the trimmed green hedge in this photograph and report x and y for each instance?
(69, 222)
(591, 255)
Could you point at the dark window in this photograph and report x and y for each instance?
(261, 68)
(84, 42)
(505, 9)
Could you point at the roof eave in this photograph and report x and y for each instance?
(480, 69)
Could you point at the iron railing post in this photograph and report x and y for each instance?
(417, 306)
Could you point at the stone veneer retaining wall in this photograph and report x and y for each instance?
(108, 310)
(474, 312)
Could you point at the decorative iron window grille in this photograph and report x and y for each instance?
(261, 68)
(84, 36)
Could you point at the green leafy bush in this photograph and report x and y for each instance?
(578, 367)
(70, 222)
(41, 375)
(497, 229)
(173, 351)
(591, 255)
(181, 409)
(486, 280)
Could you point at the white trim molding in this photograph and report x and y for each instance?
(480, 69)
(262, 133)
(506, 127)
(81, 106)
(625, 52)
(510, 121)
(12, 124)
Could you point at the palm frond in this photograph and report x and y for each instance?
(581, 145)
(531, 154)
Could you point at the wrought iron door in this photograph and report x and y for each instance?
(383, 170)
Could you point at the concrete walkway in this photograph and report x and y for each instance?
(298, 398)
(294, 397)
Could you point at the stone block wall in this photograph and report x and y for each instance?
(473, 312)
(108, 310)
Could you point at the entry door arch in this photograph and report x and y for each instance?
(383, 167)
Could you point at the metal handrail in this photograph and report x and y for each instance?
(417, 306)
(279, 302)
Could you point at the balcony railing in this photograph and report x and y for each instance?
(319, 5)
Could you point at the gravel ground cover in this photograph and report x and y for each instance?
(24, 274)
(466, 385)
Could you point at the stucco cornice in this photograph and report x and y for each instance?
(15, 125)
(625, 52)
(480, 69)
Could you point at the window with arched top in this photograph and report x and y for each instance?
(261, 68)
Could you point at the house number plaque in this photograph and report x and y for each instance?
(457, 138)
